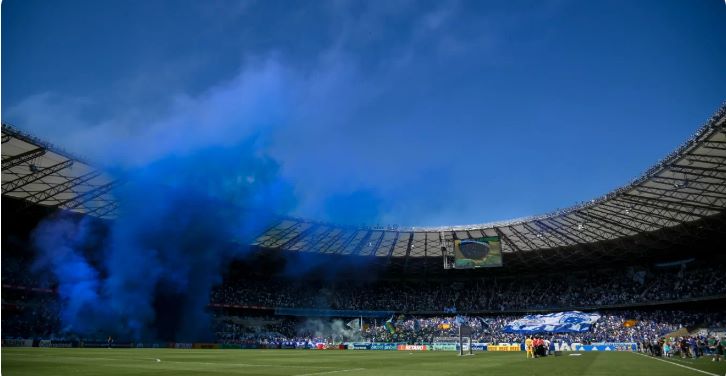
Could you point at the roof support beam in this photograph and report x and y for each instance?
(613, 223)
(266, 233)
(523, 237)
(274, 240)
(697, 168)
(21, 158)
(614, 205)
(35, 176)
(680, 194)
(566, 228)
(325, 248)
(346, 242)
(704, 158)
(319, 239)
(82, 198)
(505, 238)
(426, 244)
(299, 236)
(626, 219)
(691, 184)
(638, 200)
(682, 203)
(408, 249)
(408, 246)
(562, 236)
(583, 226)
(681, 191)
(393, 244)
(51, 192)
(540, 235)
(374, 246)
(103, 210)
(697, 174)
(365, 239)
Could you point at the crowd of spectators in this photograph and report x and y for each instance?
(620, 326)
(29, 314)
(487, 295)
(425, 309)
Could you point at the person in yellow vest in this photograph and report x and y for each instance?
(528, 346)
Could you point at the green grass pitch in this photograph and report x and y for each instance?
(43, 361)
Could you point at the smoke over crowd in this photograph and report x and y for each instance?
(182, 220)
(335, 330)
(194, 189)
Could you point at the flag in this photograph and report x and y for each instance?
(484, 322)
(629, 323)
(560, 322)
(416, 325)
(390, 325)
(354, 324)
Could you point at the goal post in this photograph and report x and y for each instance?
(464, 338)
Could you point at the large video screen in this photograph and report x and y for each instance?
(478, 253)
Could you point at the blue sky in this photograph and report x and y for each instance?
(394, 112)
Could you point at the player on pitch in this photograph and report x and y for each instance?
(528, 347)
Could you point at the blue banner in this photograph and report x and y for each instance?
(605, 346)
(560, 322)
(609, 347)
(476, 346)
(384, 346)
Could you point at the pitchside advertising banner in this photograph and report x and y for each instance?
(505, 347)
(561, 322)
(477, 346)
(17, 343)
(413, 347)
(445, 346)
(359, 346)
(483, 252)
(606, 346)
(384, 346)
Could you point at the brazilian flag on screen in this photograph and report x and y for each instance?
(482, 252)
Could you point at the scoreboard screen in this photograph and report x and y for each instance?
(483, 252)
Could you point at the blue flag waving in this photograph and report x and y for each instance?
(561, 322)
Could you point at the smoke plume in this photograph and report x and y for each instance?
(335, 330)
(196, 188)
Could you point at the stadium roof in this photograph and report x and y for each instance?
(687, 186)
(42, 174)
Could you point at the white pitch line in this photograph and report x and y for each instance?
(677, 364)
(329, 372)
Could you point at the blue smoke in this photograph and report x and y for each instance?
(61, 241)
(198, 186)
(181, 221)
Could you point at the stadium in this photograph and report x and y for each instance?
(180, 262)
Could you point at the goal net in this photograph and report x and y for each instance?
(460, 344)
